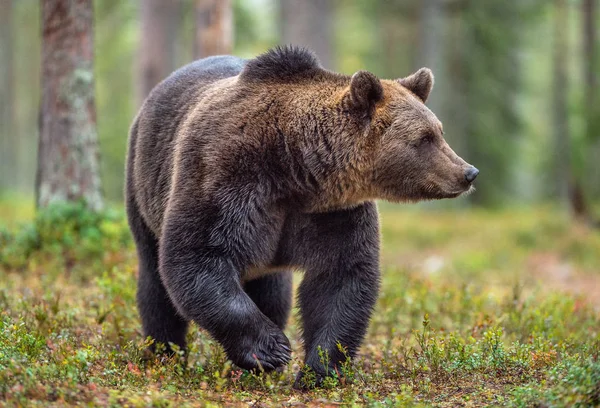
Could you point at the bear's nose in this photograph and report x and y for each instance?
(471, 174)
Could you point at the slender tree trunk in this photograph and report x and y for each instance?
(68, 158)
(456, 106)
(309, 23)
(591, 100)
(156, 53)
(394, 30)
(588, 9)
(214, 28)
(430, 52)
(389, 41)
(563, 172)
(568, 185)
(8, 139)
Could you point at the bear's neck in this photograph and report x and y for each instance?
(323, 156)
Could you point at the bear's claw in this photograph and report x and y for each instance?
(264, 355)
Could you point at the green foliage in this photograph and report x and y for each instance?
(116, 39)
(68, 235)
(491, 80)
(255, 28)
(478, 333)
(574, 382)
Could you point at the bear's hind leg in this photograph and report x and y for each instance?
(273, 296)
(159, 318)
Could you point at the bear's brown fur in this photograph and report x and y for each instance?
(240, 171)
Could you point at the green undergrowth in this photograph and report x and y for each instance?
(66, 238)
(466, 317)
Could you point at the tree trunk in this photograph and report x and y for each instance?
(591, 101)
(431, 50)
(456, 99)
(214, 28)
(568, 185)
(156, 53)
(563, 175)
(588, 9)
(309, 23)
(8, 140)
(395, 30)
(68, 159)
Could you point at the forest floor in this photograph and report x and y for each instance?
(477, 308)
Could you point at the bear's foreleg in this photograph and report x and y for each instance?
(202, 277)
(340, 288)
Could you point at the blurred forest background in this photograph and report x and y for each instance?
(516, 81)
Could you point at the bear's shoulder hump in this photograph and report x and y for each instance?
(282, 64)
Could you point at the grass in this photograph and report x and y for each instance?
(477, 309)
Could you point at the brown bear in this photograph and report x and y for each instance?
(241, 171)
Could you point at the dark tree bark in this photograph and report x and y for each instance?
(68, 158)
(156, 53)
(214, 28)
(8, 140)
(309, 23)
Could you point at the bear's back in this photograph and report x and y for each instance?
(174, 96)
(153, 134)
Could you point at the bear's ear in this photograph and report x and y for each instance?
(419, 83)
(365, 92)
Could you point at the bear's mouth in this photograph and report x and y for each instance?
(469, 190)
(464, 192)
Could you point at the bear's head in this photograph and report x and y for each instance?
(361, 137)
(411, 161)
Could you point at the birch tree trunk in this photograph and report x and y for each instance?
(158, 35)
(431, 49)
(309, 23)
(68, 157)
(214, 28)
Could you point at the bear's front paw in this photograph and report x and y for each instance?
(265, 352)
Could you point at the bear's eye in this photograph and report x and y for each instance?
(427, 139)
